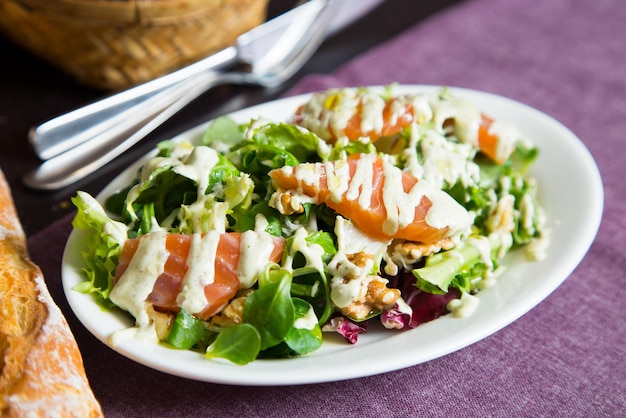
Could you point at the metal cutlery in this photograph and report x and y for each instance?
(80, 142)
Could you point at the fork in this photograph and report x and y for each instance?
(136, 120)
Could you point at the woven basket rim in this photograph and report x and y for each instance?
(120, 10)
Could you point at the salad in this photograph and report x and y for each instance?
(363, 206)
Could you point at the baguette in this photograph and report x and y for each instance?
(42, 368)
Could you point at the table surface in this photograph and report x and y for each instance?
(565, 357)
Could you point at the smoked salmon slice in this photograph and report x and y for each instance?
(497, 147)
(355, 114)
(222, 287)
(380, 199)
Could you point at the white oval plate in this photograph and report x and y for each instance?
(565, 171)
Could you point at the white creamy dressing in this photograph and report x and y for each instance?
(200, 271)
(308, 321)
(501, 217)
(260, 222)
(217, 220)
(464, 306)
(328, 114)
(343, 292)
(192, 162)
(487, 281)
(305, 174)
(178, 153)
(392, 264)
(349, 281)
(446, 163)
(351, 240)
(343, 269)
(337, 176)
(403, 307)
(203, 215)
(312, 253)
(136, 284)
(399, 205)
(506, 242)
(422, 111)
(255, 250)
(508, 136)
(372, 107)
(413, 164)
(197, 166)
(537, 247)
(483, 245)
(467, 118)
(324, 149)
(360, 185)
(446, 211)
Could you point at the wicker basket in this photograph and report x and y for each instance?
(113, 44)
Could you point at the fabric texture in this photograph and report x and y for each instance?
(563, 358)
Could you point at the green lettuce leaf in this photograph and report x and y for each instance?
(457, 267)
(104, 239)
(239, 344)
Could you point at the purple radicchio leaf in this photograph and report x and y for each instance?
(397, 317)
(424, 306)
(346, 328)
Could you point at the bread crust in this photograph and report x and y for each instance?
(42, 368)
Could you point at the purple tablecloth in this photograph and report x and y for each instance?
(563, 358)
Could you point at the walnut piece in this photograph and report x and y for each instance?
(162, 322)
(286, 203)
(360, 259)
(406, 253)
(232, 314)
(377, 298)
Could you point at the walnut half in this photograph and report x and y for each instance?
(286, 203)
(232, 314)
(378, 297)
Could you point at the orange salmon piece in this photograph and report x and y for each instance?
(395, 114)
(393, 122)
(490, 143)
(370, 220)
(169, 284)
